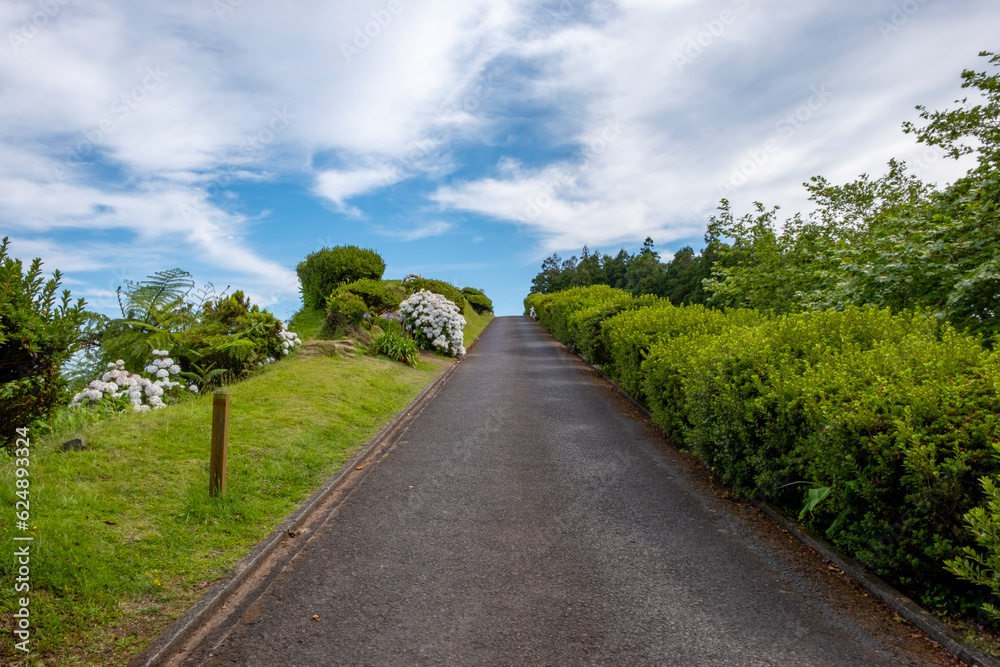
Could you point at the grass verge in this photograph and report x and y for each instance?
(126, 537)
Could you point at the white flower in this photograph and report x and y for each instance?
(162, 373)
(154, 390)
(151, 368)
(141, 408)
(174, 369)
(112, 366)
(193, 388)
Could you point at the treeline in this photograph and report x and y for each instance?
(892, 241)
(680, 279)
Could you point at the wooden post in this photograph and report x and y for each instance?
(220, 444)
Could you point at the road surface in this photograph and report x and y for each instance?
(530, 516)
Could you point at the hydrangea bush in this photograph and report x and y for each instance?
(289, 340)
(117, 383)
(434, 322)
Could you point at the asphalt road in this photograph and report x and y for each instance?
(529, 516)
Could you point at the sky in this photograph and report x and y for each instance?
(464, 140)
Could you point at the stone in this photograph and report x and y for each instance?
(75, 445)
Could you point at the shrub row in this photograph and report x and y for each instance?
(874, 427)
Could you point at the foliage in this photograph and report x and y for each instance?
(37, 335)
(209, 331)
(376, 294)
(397, 347)
(867, 424)
(982, 567)
(478, 300)
(434, 322)
(322, 271)
(344, 309)
(446, 290)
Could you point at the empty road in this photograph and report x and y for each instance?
(529, 516)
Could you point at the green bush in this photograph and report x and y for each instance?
(322, 271)
(38, 333)
(344, 309)
(873, 427)
(374, 293)
(479, 301)
(446, 290)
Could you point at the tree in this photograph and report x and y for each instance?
(37, 335)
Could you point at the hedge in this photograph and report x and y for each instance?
(887, 420)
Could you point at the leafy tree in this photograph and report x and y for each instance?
(38, 333)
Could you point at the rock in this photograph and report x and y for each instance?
(75, 445)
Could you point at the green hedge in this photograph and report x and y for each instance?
(322, 271)
(889, 420)
(478, 300)
(446, 290)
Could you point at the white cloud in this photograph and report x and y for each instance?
(339, 186)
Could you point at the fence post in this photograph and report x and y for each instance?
(220, 444)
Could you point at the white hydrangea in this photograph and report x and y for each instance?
(435, 321)
(117, 382)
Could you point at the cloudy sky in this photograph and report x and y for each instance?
(462, 139)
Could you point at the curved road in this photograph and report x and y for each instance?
(530, 517)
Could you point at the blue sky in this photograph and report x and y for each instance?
(463, 139)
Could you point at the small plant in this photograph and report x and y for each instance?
(396, 347)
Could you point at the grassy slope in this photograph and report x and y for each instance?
(126, 537)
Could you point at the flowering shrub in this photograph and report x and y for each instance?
(118, 384)
(434, 322)
(289, 340)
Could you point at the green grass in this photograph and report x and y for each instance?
(125, 535)
(474, 325)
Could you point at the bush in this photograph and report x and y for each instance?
(872, 426)
(376, 295)
(396, 347)
(323, 270)
(37, 335)
(478, 300)
(434, 322)
(446, 290)
(344, 309)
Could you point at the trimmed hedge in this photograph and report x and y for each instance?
(478, 300)
(888, 420)
(374, 293)
(446, 290)
(322, 271)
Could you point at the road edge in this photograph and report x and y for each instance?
(903, 605)
(178, 632)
